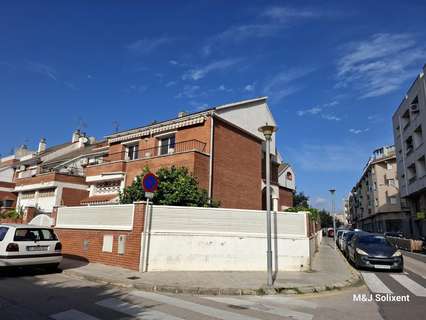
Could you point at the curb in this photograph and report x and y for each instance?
(353, 281)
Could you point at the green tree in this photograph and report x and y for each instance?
(325, 218)
(177, 187)
(300, 200)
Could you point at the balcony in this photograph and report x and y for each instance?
(116, 162)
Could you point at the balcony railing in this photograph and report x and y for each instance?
(162, 150)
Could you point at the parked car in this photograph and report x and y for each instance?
(397, 234)
(330, 232)
(374, 251)
(339, 237)
(347, 237)
(25, 245)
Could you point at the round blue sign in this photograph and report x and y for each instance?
(150, 182)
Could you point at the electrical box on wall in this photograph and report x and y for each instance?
(121, 244)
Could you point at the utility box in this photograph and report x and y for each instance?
(121, 244)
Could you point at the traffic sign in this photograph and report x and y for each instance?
(150, 182)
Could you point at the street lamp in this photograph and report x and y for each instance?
(332, 192)
(268, 131)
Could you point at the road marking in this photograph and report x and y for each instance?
(410, 284)
(279, 301)
(281, 311)
(374, 283)
(195, 307)
(72, 314)
(416, 266)
(134, 310)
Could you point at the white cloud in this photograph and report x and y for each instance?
(380, 64)
(285, 14)
(283, 83)
(358, 131)
(173, 62)
(189, 91)
(313, 110)
(249, 87)
(319, 110)
(147, 45)
(42, 69)
(330, 117)
(170, 84)
(318, 202)
(201, 72)
(138, 88)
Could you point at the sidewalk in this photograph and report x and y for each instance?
(329, 271)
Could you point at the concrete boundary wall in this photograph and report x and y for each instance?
(187, 238)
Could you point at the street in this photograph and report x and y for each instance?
(36, 294)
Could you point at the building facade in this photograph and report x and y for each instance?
(374, 203)
(55, 176)
(221, 146)
(409, 120)
(287, 185)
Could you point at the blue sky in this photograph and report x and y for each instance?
(334, 72)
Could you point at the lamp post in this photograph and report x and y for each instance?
(268, 131)
(333, 209)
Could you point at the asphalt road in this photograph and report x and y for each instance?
(409, 285)
(34, 295)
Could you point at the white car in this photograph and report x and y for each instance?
(25, 245)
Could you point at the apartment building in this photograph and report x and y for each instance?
(374, 203)
(221, 146)
(55, 176)
(409, 120)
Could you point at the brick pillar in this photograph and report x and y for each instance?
(29, 214)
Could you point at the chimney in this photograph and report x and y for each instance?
(182, 114)
(41, 145)
(75, 136)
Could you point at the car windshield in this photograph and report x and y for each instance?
(370, 240)
(3, 231)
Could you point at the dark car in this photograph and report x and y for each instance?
(394, 234)
(374, 251)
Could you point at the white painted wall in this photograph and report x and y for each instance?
(250, 117)
(115, 217)
(6, 174)
(186, 238)
(283, 181)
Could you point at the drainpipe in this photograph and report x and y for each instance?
(211, 156)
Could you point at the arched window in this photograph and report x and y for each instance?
(289, 176)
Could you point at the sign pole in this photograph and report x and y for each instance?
(145, 231)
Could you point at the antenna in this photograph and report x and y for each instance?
(115, 125)
(81, 123)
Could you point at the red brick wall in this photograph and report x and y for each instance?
(48, 177)
(286, 198)
(236, 168)
(73, 197)
(72, 243)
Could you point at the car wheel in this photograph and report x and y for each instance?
(52, 267)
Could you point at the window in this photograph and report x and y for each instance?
(27, 195)
(392, 200)
(3, 231)
(167, 145)
(289, 176)
(390, 182)
(389, 166)
(132, 152)
(46, 193)
(34, 235)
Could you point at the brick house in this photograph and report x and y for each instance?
(55, 176)
(221, 146)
